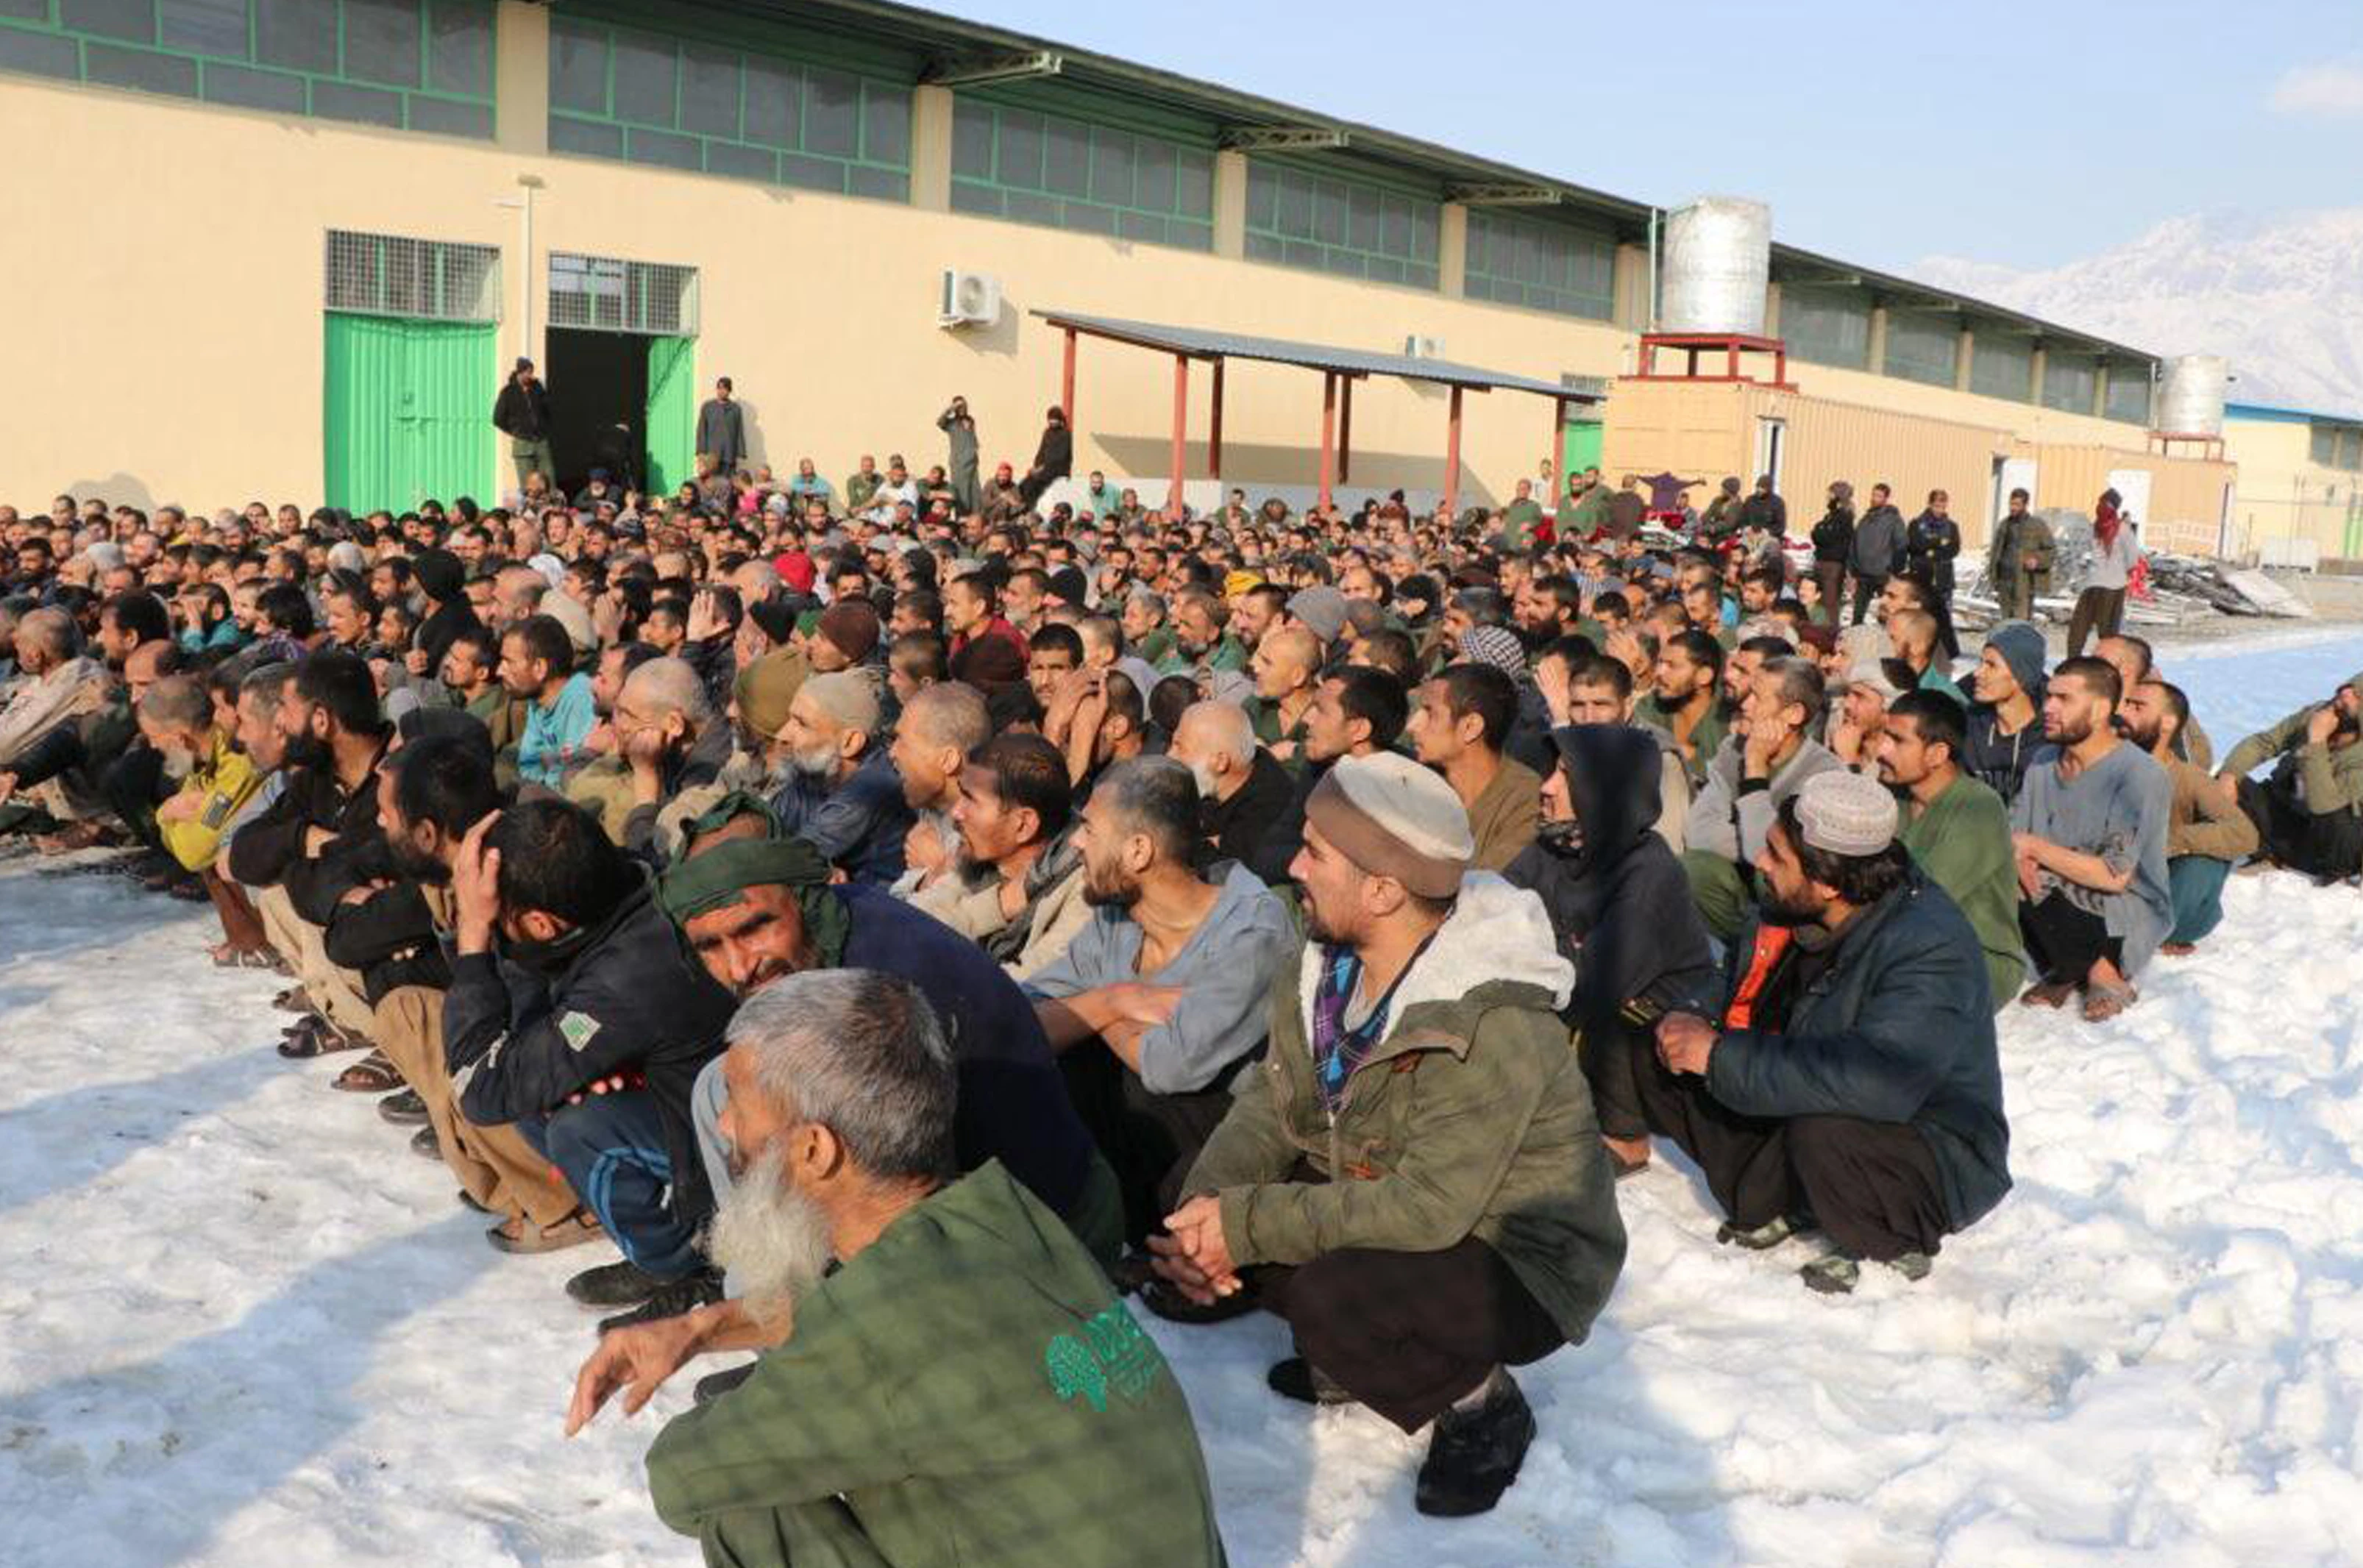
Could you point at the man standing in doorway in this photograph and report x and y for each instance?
(522, 414)
(722, 430)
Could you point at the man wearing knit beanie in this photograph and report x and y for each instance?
(2005, 728)
(1320, 610)
(1459, 1220)
(837, 788)
(847, 633)
(1849, 1077)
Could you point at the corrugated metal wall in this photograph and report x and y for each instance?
(407, 410)
(2186, 494)
(1829, 441)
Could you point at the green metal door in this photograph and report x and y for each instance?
(673, 412)
(407, 410)
(1581, 449)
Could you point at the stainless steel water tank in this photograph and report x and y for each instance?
(1717, 257)
(2190, 394)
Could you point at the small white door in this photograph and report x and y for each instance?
(1771, 447)
(2132, 485)
(2017, 473)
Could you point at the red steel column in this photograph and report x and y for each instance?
(1453, 456)
(1180, 431)
(1215, 432)
(1067, 382)
(1328, 433)
(1346, 433)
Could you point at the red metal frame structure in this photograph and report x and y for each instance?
(1730, 345)
(1340, 368)
(2164, 442)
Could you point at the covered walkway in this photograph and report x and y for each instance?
(1339, 369)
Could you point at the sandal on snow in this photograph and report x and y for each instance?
(372, 1074)
(519, 1234)
(315, 1037)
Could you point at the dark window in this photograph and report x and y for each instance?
(300, 34)
(832, 114)
(459, 48)
(116, 67)
(444, 117)
(709, 90)
(134, 21)
(645, 69)
(203, 27)
(363, 105)
(886, 124)
(382, 41)
(578, 66)
(774, 103)
(251, 89)
(971, 142)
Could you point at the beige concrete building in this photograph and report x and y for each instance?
(2300, 494)
(285, 249)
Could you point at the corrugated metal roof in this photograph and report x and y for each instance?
(1201, 343)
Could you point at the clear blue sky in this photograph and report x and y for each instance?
(1880, 130)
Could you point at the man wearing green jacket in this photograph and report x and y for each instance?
(963, 1389)
(2309, 810)
(1414, 1177)
(1956, 829)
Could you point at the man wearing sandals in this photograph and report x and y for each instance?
(577, 1012)
(1850, 1083)
(2090, 825)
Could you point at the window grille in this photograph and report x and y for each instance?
(427, 279)
(652, 298)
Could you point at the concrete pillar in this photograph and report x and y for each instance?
(521, 77)
(931, 149)
(1632, 290)
(1877, 359)
(1452, 252)
(1231, 205)
(1963, 358)
(2035, 368)
(1771, 310)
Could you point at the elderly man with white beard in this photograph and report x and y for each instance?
(963, 1386)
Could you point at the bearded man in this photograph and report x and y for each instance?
(960, 1381)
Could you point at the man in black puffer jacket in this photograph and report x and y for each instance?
(1852, 1079)
(1621, 911)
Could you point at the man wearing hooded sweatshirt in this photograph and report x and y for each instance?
(1414, 1175)
(1877, 551)
(2004, 734)
(1852, 1073)
(1620, 909)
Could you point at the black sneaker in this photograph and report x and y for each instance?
(1298, 1379)
(623, 1284)
(672, 1298)
(403, 1108)
(713, 1386)
(1473, 1455)
(422, 1144)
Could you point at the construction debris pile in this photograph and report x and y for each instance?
(2181, 589)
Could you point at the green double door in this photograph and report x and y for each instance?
(408, 411)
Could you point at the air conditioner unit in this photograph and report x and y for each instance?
(970, 299)
(1418, 348)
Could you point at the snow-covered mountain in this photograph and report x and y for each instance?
(2280, 297)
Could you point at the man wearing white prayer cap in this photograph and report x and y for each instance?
(1849, 1081)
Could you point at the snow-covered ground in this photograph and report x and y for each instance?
(245, 1325)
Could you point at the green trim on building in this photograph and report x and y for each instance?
(1059, 172)
(417, 65)
(1518, 261)
(1350, 228)
(736, 104)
